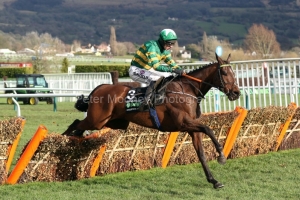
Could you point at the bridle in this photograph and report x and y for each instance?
(223, 83)
(221, 88)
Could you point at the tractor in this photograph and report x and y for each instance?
(30, 81)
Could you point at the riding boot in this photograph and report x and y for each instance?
(158, 82)
(147, 97)
(151, 89)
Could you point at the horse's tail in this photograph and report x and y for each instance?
(82, 103)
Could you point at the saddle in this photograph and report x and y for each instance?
(135, 96)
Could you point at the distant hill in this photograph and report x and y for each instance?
(138, 20)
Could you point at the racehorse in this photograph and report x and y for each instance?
(105, 107)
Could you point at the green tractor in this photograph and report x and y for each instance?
(30, 81)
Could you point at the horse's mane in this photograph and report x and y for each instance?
(202, 67)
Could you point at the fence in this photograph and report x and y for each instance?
(56, 95)
(77, 83)
(262, 83)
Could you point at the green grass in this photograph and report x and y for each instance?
(226, 28)
(271, 176)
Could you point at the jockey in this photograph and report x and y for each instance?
(146, 67)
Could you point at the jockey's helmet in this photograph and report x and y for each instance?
(167, 36)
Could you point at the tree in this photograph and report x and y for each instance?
(31, 4)
(204, 43)
(262, 41)
(131, 48)
(64, 65)
(113, 41)
(121, 49)
(40, 66)
(43, 43)
(31, 40)
(4, 40)
(208, 46)
(194, 49)
(76, 46)
(175, 50)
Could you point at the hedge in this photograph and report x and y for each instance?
(11, 72)
(122, 69)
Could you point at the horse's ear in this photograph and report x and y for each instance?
(228, 59)
(220, 61)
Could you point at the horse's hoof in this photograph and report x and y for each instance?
(218, 185)
(78, 133)
(222, 160)
(68, 135)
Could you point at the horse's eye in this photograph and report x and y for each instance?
(223, 72)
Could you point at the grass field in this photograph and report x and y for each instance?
(271, 176)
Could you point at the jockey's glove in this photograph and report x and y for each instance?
(178, 71)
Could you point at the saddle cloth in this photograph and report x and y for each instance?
(135, 97)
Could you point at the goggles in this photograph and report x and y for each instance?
(169, 44)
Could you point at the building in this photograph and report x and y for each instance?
(184, 53)
(7, 51)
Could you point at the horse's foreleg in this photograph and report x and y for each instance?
(192, 125)
(197, 142)
(71, 128)
(78, 127)
(207, 131)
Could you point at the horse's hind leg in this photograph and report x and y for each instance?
(197, 142)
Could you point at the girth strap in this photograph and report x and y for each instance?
(154, 118)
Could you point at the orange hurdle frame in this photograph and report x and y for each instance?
(12, 149)
(97, 161)
(234, 130)
(169, 149)
(32, 146)
(293, 106)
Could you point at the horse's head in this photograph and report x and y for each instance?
(225, 79)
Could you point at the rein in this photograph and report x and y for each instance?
(201, 81)
(193, 78)
(196, 79)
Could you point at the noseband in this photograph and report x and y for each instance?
(221, 88)
(223, 83)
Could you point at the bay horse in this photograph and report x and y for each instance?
(173, 115)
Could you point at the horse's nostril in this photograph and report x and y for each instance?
(237, 93)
